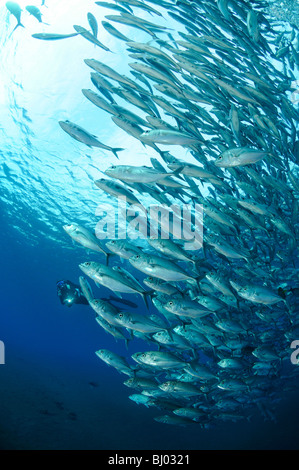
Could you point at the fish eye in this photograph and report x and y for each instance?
(120, 315)
(87, 264)
(112, 242)
(150, 278)
(220, 157)
(137, 256)
(170, 303)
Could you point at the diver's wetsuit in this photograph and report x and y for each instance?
(69, 293)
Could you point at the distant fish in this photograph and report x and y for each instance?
(93, 24)
(85, 137)
(34, 11)
(15, 10)
(90, 37)
(93, 384)
(114, 32)
(53, 36)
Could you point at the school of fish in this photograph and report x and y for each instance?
(217, 78)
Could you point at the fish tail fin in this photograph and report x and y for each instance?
(144, 296)
(115, 150)
(166, 156)
(19, 24)
(108, 256)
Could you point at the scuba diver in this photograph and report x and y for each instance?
(70, 293)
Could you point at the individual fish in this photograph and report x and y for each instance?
(107, 71)
(140, 399)
(112, 330)
(191, 333)
(141, 383)
(117, 190)
(143, 6)
(130, 21)
(123, 248)
(200, 371)
(159, 359)
(231, 363)
(160, 286)
(186, 308)
(259, 294)
(80, 134)
(168, 137)
(112, 279)
(239, 157)
(178, 388)
(160, 268)
(265, 353)
(113, 31)
(174, 420)
(105, 310)
(90, 37)
(35, 11)
(171, 249)
(137, 322)
(230, 326)
(112, 6)
(232, 385)
(191, 413)
(85, 237)
(171, 339)
(53, 36)
(93, 24)
(15, 9)
(86, 289)
(116, 361)
(134, 174)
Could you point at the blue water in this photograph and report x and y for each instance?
(54, 392)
